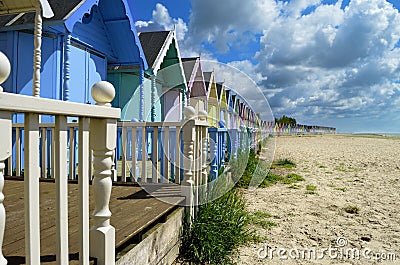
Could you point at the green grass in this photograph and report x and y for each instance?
(351, 209)
(311, 189)
(218, 229)
(270, 179)
(284, 163)
(260, 218)
(294, 186)
(328, 172)
(245, 167)
(341, 169)
(340, 188)
(393, 181)
(292, 178)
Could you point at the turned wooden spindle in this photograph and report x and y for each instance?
(5, 152)
(188, 134)
(103, 133)
(5, 149)
(37, 52)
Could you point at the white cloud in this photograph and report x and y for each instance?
(229, 22)
(161, 20)
(332, 62)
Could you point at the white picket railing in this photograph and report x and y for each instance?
(101, 119)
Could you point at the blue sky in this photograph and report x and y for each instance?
(326, 62)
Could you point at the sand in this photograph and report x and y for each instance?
(360, 171)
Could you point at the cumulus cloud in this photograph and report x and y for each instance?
(231, 22)
(332, 62)
(161, 20)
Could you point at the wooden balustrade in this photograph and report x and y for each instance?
(103, 121)
(139, 140)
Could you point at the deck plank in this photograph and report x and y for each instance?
(132, 211)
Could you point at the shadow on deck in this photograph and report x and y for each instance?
(134, 212)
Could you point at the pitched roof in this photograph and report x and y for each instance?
(208, 80)
(188, 67)
(207, 76)
(61, 8)
(152, 43)
(219, 89)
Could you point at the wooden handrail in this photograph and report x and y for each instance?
(27, 104)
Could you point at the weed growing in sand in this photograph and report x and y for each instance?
(292, 178)
(294, 187)
(219, 228)
(341, 169)
(270, 180)
(328, 172)
(322, 166)
(339, 178)
(259, 218)
(351, 209)
(283, 163)
(340, 188)
(311, 189)
(393, 181)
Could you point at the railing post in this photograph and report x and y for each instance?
(5, 152)
(103, 133)
(188, 134)
(234, 142)
(223, 145)
(37, 52)
(204, 145)
(213, 152)
(5, 149)
(61, 179)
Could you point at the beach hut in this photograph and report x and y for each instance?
(212, 99)
(235, 107)
(80, 43)
(229, 101)
(222, 104)
(83, 43)
(167, 85)
(197, 92)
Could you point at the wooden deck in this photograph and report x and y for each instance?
(133, 211)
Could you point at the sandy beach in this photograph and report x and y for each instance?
(349, 172)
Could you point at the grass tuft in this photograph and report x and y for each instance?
(292, 178)
(311, 189)
(351, 209)
(219, 228)
(284, 163)
(260, 218)
(294, 186)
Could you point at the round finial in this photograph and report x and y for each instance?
(189, 112)
(203, 115)
(135, 120)
(222, 124)
(103, 93)
(5, 68)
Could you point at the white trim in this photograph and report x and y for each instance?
(15, 19)
(28, 104)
